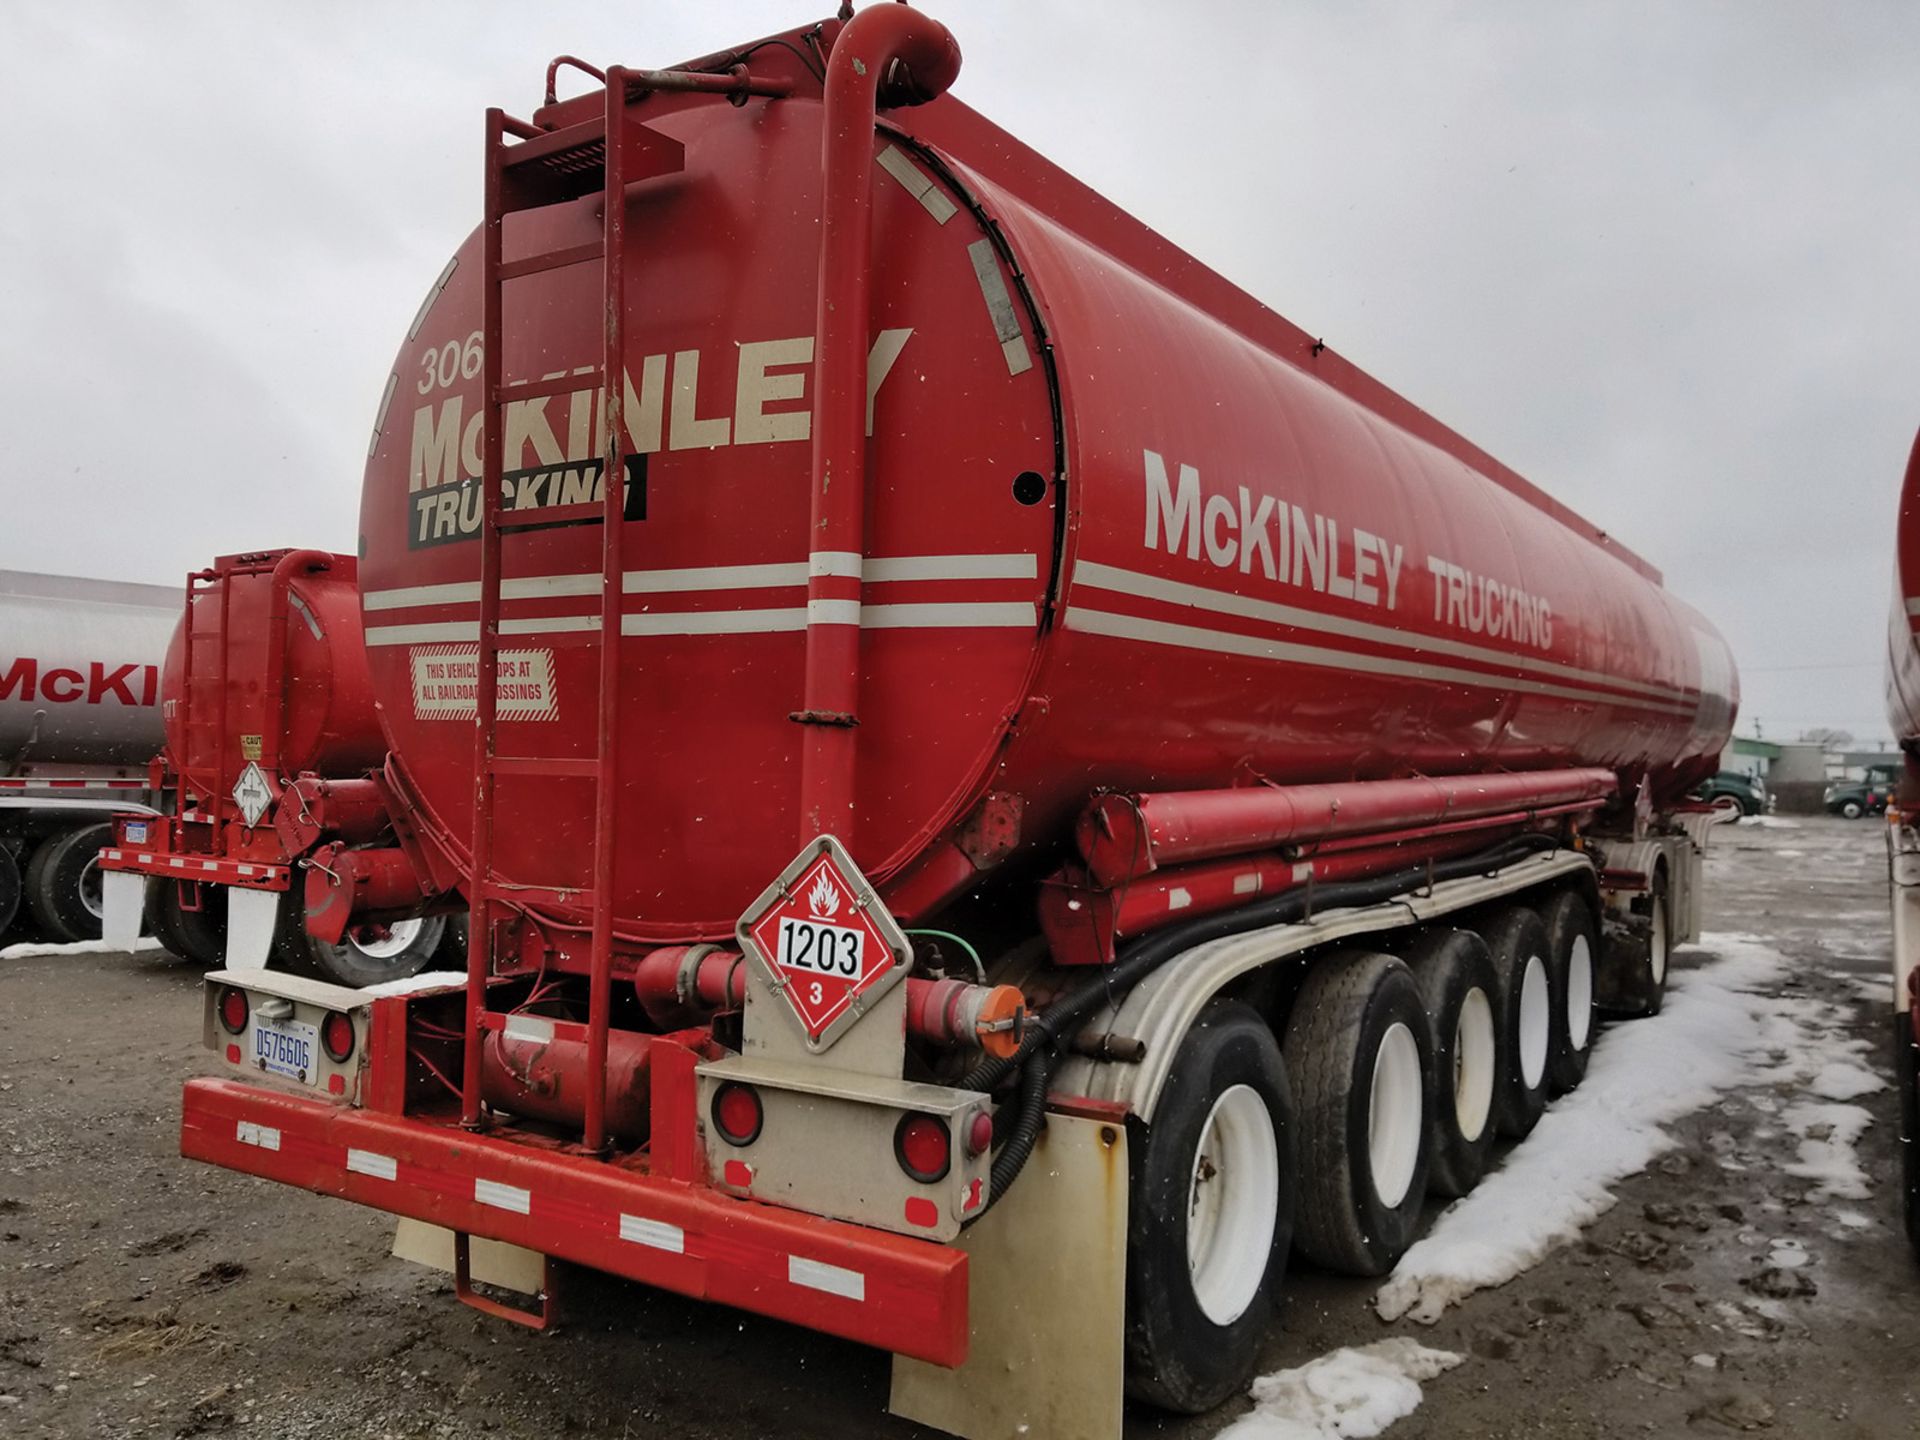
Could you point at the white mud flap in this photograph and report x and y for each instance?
(491, 1262)
(1046, 1276)
(123, 899)
(250, 921)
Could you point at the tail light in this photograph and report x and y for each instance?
(336, 1036)
(233, 1010)
(922, 1146)
(737, 1114)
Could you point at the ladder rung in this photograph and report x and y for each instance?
(552, 260)
(558, 385)
(584, 512)
(544, 765)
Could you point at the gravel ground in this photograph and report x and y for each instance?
(143, 1295)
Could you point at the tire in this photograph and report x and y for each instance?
(1573, 946)
(197, 936)
(1852, 809)
(1358, 1053)
(9, 889)
(63, 883)
(1459, 992)
(367, 955)
(1517, 941)
(1906, 1070)
(1196, 1317)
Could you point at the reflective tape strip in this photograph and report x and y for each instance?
(177, 863)
(1225, 642)
(422, 634)
(503, 1197)
(1179, 898)
(1246, 884)
(1174, 592)
(716, 622)
(528, 1027)
(714, 577)
(833, 612)
(656, 1233)
(932, 615)
(835, 562)
(1008, 615)
(1006, 320)
(264, 1137)
(901, 568)
(371, 1162)
(833, 1279)
(894, 161)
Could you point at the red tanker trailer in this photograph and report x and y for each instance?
(265, 688)
(1903, 833)
(1222, 793)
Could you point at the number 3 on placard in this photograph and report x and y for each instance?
(814, 992)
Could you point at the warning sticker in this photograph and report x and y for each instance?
(444, 676)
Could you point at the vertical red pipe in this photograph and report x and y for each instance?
(485, 693)
(613, 473)
(917, 59)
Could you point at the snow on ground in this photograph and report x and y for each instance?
(1343, 1395)
(1771, 822)
(1718, 1030)
(81, 947)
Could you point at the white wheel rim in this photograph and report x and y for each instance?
(1394, 1115)
(391, 946)
(1657, 941)
(1233, 1198)
(1580, 993)
(1534, 1017)
(91, 893)
(1473, 1051)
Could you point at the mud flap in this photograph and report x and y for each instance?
(1047, 1273)
(492, 1262)
(123, 899)
(250, 920)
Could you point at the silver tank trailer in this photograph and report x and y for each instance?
(80, 664)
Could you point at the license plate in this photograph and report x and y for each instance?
(821, 949)
(136, 832)
(286, 1047)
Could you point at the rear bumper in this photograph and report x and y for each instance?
(889, 1291)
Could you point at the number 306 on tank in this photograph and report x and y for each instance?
(817, 948)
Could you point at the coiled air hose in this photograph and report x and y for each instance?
(1059, 1021)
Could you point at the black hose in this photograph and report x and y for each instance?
(1064, 1016)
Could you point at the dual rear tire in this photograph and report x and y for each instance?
(62, 884)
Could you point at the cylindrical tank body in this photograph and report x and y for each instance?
(1903, 629)
(281, 629)
(1124, 527)
(80, 670)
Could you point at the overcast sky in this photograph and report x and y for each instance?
(1662, 258)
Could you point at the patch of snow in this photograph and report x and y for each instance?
(1853, 1219)
(1706, 1362)
(1344, 1395)
(1716, 1031)
(1770, 822)
(1788, 1255)
(1791, 854)
(79, 947)
(1878, 990)
(1844, 1080)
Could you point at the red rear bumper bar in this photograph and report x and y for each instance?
(896, 1293)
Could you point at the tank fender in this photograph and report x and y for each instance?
(1161, 1008)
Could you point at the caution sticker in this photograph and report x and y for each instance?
(444, 685)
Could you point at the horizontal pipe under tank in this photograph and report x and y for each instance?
(541, 1077)
(1126, 836)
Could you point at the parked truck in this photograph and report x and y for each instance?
(1004, 789)
(1903, 835)
(79, 723)
(272, 752)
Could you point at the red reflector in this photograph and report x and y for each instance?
(980, 1133)
(233, 1054)
(336, 1084)
(922, 1147)
(736, 1113)
(336, 1034)
(737, 1173)
(922, 1212)
(233, 1010)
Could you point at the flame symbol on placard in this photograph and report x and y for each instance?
(823, 899)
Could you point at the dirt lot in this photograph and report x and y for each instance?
(142, 1295)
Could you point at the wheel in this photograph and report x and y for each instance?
(1906, 1070)
(1358, 1053)
(9, 889)
(1852, 809)
(1517, 941)
(63, 883)
(368, 954)
(1210, 1216)
(1457, 990)
(198, 936)
(1572, 943)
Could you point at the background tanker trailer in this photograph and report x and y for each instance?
(265, 692)
(1903, 834)
(1222, 793)
(79, 723)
